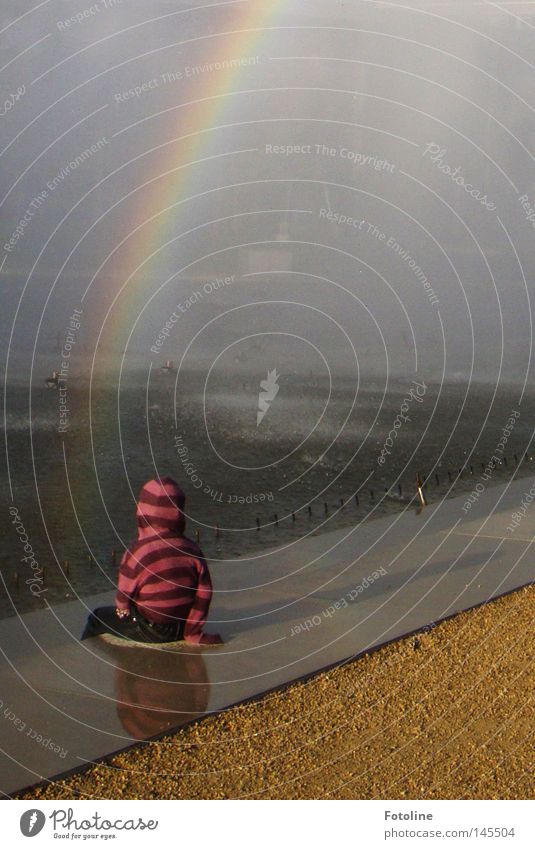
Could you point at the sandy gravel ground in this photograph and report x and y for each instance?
(445, 714)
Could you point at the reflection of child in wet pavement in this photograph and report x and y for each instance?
(157, 690)
(164, 588)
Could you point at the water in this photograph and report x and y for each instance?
(317, 444)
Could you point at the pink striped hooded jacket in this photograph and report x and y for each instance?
(164, 573)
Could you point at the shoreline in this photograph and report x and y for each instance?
(341, 517)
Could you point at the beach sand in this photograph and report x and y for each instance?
(444, 714)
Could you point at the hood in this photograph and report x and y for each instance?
(160, 508)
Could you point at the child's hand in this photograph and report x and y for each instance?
(211, 640)
(122, 614)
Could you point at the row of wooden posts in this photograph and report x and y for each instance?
(421, 486)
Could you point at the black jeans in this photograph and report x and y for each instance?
(104, 620)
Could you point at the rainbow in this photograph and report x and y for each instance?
(209, 100)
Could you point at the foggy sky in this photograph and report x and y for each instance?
(365, 93)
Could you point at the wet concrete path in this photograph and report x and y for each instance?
(284, 614)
